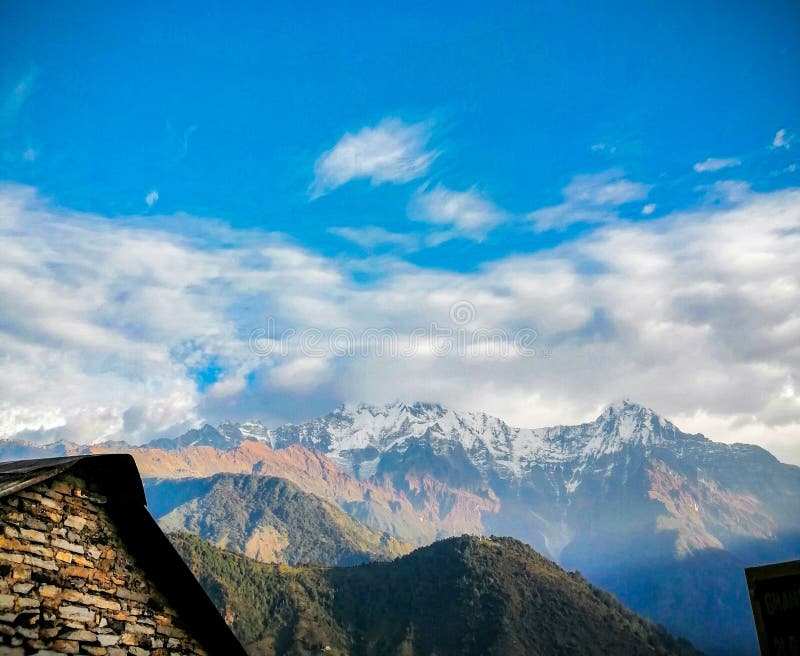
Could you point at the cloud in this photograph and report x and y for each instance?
(388, 152)
(726, 192)
(467, 213)
(782, 139)
(177, 144)
(17, 96)
(589, 199)
(373, 237)
(151, 198)
(301, 374)
(648, 209)
(104, 322)
(601, 147)
(715, 164)
(608, 188)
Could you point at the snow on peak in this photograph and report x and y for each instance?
(488, 441)
(625, 406)
(249, 430)
(357, 435)
(626, 422)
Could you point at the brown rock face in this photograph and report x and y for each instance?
(700, 509)
(425, 510)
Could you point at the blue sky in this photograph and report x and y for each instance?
(224, 112)
(427, 149)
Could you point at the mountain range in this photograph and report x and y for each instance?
(664, 519)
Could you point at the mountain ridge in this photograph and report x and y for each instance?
(268, 519)
(467, 595)
(229, 434)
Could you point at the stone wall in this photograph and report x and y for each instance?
(67, 584)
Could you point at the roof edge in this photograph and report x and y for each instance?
(119, 468)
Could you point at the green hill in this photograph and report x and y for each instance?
(268, 519)
(464, 595)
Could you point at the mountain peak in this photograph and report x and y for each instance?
(625, 406)
(627, 422)
(397, 407)
(390, 416)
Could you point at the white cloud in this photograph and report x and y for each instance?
(608, 188)
(102, 324)
(388, 152)
(648, 209)
(300, 374)
(589, 199)
(727, 192)
(151, 198)
(715, 164)
(467, 213)
(782, 139)
(372, 237)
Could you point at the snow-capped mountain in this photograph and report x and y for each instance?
(249, 430)
(663, 518)
(361, 438)
(554, 483)
(629, 498)
(353, 433)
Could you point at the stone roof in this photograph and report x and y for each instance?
(117, 478)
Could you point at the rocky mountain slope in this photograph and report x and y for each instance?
(268, 519)
(626, 498)
(708, 494)
(416, 518)
(464, 595)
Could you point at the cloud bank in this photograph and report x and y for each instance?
(119, 328)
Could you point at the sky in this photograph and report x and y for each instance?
(231, 211)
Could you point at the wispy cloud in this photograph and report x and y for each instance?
(391, 151)
(726, 192)
(372, 237)
(177, 144)
(16, 97)
(716, 164)
(151, 198)
(589, 199)
(467, 213)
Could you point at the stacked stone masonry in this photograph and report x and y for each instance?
(68, 586)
